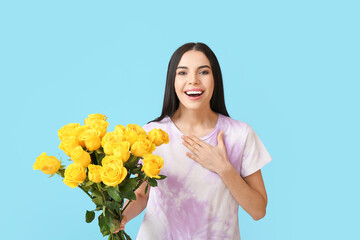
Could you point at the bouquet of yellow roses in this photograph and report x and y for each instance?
(105, 165)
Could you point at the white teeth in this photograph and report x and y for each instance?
(193, 92)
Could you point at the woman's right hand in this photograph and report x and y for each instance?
(122, 224)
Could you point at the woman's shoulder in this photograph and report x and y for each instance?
(163, 123)
(235, 129)
(234, 124)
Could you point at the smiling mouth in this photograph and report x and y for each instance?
(194, 93)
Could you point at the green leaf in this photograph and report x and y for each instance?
(132, 162)
(161, 177)
(152, 182)
(114, 223)
(147, 185)
(136, 170)
(96, 193)
(99, 155)
(89, 183)
(114, 194)
(86, 188)
(128, 186)
(104, 224)
(108, 223)
(61, 171)
(124, 182)
(89, 217)
(98, 201)
(141, 175)
(129, 195)
(112, 205)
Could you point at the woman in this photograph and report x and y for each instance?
(212, 162)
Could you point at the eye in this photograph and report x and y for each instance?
(204, 72)
(181, 73)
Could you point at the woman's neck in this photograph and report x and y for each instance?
(194, 121)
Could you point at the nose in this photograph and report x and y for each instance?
(193, 79)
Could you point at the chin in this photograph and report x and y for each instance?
(194, 107)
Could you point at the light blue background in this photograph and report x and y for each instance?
(290, 69)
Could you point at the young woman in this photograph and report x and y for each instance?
(212, 162)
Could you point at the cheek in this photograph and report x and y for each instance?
(178, 87)
(210, 85)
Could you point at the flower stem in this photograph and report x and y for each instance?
(85, 191)
(127, 236)
(100, 189)
(114, 214)
(136, 187)
(125, 206)
(61, 172)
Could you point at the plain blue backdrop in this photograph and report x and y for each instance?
(290, 70)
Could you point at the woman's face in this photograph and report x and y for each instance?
(194, 80)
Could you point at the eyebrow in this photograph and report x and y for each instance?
(204, 66)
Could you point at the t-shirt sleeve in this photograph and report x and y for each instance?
(255, 155)
(147, 127)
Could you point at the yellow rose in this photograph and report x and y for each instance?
(158, 136)
(109, 142)
(122, 151)
(80, 131)
(78, 155)
(142, 147)
(152, 164)
(91, 138)
(112, 174)
(100, 125)
(120, 130)
(68, 130)
(68, 145)
(133, 132)
(94, 117)
(94, 173)
(112, 159)
(74, 175)
(47, 164)
(98, 122)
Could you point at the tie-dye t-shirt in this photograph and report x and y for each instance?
(193, 202)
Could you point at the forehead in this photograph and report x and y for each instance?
(194, 58)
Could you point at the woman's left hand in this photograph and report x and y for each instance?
(211, 157)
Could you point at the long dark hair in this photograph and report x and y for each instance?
(171, 101)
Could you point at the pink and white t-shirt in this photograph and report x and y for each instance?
(193, 202)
